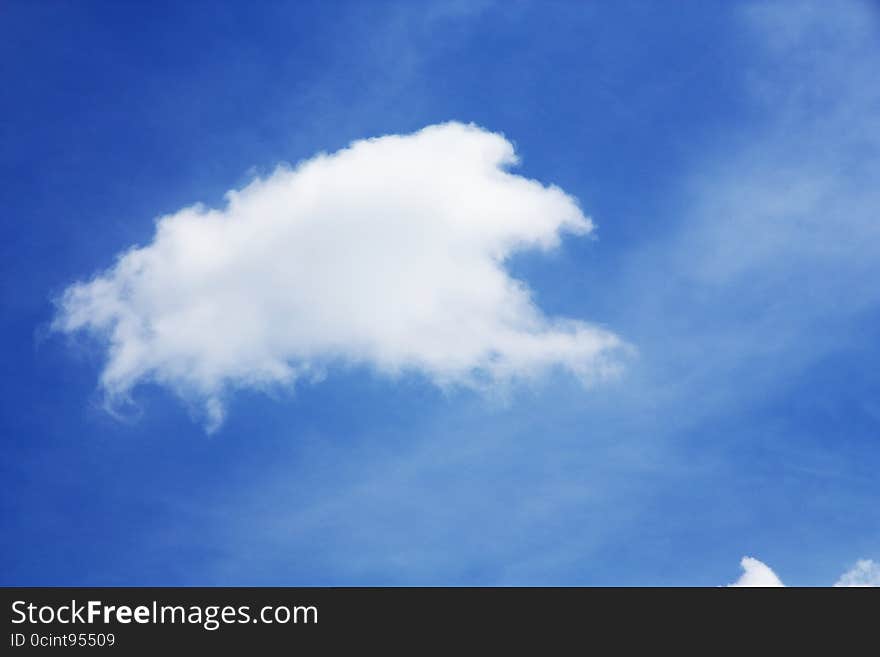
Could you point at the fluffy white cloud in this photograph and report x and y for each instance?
(864, 573)
(389, 253)
(756, 573)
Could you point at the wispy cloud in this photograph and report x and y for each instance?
(389, 253)
(865, 573)
(777, 236)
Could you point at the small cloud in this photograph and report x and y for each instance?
(864, 573)
(757, 573)
(389, 253)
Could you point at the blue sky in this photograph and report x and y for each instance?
(727, 154)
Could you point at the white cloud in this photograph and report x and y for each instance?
(864, 573)
(756, 573)
(389, 253)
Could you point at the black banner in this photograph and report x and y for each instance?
(137, 620)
